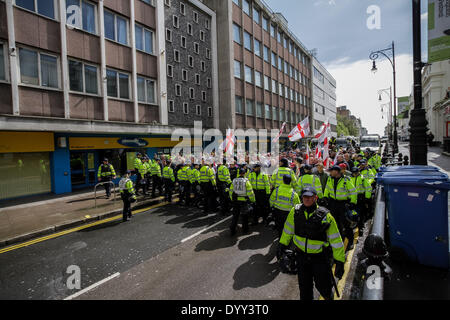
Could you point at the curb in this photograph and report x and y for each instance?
(71, 224)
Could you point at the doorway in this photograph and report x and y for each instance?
(83, 169)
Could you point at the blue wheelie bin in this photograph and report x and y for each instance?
(417, 204)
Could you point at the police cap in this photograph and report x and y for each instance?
(309, 192)
(287, 179)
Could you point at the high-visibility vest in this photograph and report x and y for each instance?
(309, 180)
(345, 190)
(310, 246)
(260, 181)
(375, 161)
(362, 186)
(168, 173)
(243, 189)
(223, 174)
(284, 198)
(155, 169)
(195, 176)
(147, 167)
(126, 187)
(277, 177)
(106, 171)
(182, 174)
(369, 174)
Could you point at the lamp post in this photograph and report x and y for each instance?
(374, 56)
(388, 92)
(418, 124)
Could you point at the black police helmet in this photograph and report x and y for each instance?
(242, 171)
(309, 192)
(105, 159)
(355, 169)
(375, 247)
(284, 162)
(287, 179)
(308, 167)
(288, 262)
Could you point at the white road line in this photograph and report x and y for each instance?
(79, 293)
(200, 232)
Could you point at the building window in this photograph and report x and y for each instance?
(167, 3)
(255, 15)
(275, 113)
(272, 30)
(208, 53)
(237, 33)
(118, 84)
(238, 102)
(171, 106)
(191, 93)
(144, 39)
(257, 45)
(197, 79)
(185, 108)
(184, 75)
(178, 90)
(286, 43)
(249, 108)
(265, 23)
(237, 69)
(146, 90)
(38, 69)
(246, 7)
(169, 70)
(274, 86)
(2, 62)
(202, 35)
(116, 28)
(247, 41)
(43, 7)
(182, 9)
(88, 15)
(198, 110)
(280, 64)
(203, 95)
(248, 74)
(259, 110)
(191, 61)
(274, 59)
(208, 83)
(280, 37)
(281, 89)
(266, 83)
(196, 48)
(189, 28)
(286, 67)
(83, 77)
(176, 22)
(210, 112)
(203, 66)
(258, 79)
(195, 17)
(183, 42)
(169, 35)
(207, 24)
(176, 55)
(268, 112)
(266, 54)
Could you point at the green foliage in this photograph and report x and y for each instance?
(346, 127)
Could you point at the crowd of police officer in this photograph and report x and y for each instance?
(313, 211)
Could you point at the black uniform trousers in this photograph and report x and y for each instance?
(239, 208)
(187, 192)
(261, 205)
(139, 184)
(224, 199)
(157, 184)
(280, 217)
(208, 194)
(168, 188)
(361, 208)
(338, 209)
(126, 206)
(107, 185)
(314, 269)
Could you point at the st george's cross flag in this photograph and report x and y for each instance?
(300, 131)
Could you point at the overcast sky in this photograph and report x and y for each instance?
(338, 30)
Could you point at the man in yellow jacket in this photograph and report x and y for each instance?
(241, 192)
(313, 231)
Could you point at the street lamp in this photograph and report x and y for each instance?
(388, 92)
(374, 56)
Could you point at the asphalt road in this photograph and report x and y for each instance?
(152, 261)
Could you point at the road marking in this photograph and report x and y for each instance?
(62, 233)
(206, 229)
(79, 293)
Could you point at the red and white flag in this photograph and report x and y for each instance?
(300, 131)
(326, 155)
(228, 143)
(307, 153)
(279, 134)
(324, 132)
(318, 153)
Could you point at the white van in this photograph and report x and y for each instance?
(373, 142)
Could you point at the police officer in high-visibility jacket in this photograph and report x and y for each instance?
(313, 231)
(148, 172)
(241, 193)
(309, 180)
(182, 180)
(364, 190)
(128, 195)
(223, 183)
(282, 200)
(375, 161)
(155, 168)
(188, 185)
(169, 181)
(106, 173)
(139, 170)
(277, 176)
(261, 187)
(208, 184)
(367, 171)
(340, 196)
(195, 183)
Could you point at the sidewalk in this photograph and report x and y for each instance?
(26, 220)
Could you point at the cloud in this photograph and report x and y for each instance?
(357, 87)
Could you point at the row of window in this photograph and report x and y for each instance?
(265, 111)
(183, 12)
(275, 31)
(268, 55)
(190, 64)
(41, 69)
(191, 91)
(185, 76)
(183, 44)
(256, 77)
(176, 24)
(198, 108)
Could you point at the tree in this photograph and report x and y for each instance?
(346, 127)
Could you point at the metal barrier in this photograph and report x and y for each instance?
(371, 292)
(102, 183)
